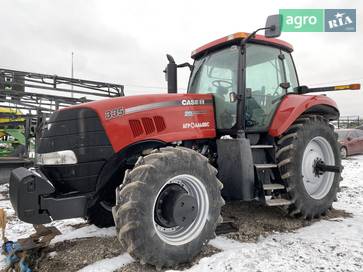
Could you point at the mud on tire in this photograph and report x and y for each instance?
(135, 216)
(291, 147)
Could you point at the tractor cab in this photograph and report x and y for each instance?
(247, 74)
(269, 75)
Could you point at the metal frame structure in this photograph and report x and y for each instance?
(25, 91)
(38, 95)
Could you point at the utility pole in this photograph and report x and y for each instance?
(72, 75)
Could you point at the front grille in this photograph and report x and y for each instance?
(79, 130)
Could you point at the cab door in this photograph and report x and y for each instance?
(270, 75)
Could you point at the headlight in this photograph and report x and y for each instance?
(56, 158)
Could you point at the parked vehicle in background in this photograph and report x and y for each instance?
(360, 127)
(351, 141)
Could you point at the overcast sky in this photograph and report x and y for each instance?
(126, 41)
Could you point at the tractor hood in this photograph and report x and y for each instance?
(162, 117)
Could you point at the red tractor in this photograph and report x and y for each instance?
(244, 131)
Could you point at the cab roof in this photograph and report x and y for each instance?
(239, 36)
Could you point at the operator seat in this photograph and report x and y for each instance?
(255, 113)
(224, 109)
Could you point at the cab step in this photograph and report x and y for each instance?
(273, 186)
(261, 146)
(278, 202)
(265, 165)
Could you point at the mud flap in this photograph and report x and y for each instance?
(235, 169)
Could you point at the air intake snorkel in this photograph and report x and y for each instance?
(171, 74)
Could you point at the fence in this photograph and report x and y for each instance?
(351, 121)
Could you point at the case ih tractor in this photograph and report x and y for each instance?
(243, 131)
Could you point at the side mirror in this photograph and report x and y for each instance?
(171, 75)
(273, 26)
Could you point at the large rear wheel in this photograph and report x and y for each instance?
(168, 206)
(304, 151)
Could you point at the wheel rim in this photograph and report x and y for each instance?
(317, 186)
(180, 235)
(343, 152)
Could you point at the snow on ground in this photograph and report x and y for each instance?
(334, 245)
(84, 232)
(328, 245)
(109, 264)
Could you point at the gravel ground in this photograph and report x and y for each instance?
(251, 219)
(254, 220)
(76, 254)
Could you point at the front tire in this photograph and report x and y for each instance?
(168, 207)
(309, 140)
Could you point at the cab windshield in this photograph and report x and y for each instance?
(270, 75)
(216, 73)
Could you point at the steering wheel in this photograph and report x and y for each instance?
(222, 83)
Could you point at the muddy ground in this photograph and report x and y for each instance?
(251, 219)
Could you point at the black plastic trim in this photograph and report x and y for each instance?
(31, 195)
(81, 131)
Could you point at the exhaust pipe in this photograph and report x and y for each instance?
(171, 75)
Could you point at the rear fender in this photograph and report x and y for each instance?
(293, 106)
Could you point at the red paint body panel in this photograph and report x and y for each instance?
(292, 106)
(121, 135)
(119, 131)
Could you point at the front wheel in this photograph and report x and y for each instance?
(307, 144)
(168, 207)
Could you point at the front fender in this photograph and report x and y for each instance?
(293, 106)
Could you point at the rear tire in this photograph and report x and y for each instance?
(142, 220)
(309, 138)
